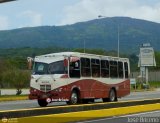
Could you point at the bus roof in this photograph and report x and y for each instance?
(77, 54)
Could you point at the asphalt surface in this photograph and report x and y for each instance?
(146, 117)
(26, 104)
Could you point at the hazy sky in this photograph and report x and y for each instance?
(24, 13)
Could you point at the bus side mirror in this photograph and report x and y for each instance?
(30, 62)
(65, 62)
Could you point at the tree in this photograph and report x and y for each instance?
(16, 78)
(3, 68)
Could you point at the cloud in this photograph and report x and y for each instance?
(4, 23)
(145, 12)
(89, 9)
(33, 18)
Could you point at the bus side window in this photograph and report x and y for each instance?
(120, 69)
(95, 67)
(74, 69)
(126, 69)
(113, 69)
(85, 67)
(104, 68)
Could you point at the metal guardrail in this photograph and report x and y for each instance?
(73, 108)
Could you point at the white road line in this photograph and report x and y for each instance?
(132, 98)
(115, 117)
(16, 102)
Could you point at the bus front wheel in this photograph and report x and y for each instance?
(42, 102)
(74, 98)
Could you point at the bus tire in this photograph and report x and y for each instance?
(42, 102)
(112, 95)
(74, 99)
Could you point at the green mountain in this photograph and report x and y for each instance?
(98, 33)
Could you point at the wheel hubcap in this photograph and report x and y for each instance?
(74, 98)
(112, 96)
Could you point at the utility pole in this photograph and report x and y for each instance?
(101, 16)
(118, 43)
(84, 46)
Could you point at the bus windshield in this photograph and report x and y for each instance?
(40, 68)
(57, 68)
(52, 68)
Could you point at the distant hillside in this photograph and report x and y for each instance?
(98, 33)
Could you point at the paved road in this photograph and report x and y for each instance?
(25, 104)
(147, 117)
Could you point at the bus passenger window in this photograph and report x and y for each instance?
(113, 69)
(104, 68)
(126, 69)
(85, 67)
(120, 69)
(74, 69)
(95, 67)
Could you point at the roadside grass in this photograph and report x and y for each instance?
(13, 97)
(152, 86)
(155, 84)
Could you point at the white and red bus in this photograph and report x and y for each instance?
(78, 78)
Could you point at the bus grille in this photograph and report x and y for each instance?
(45, 88)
